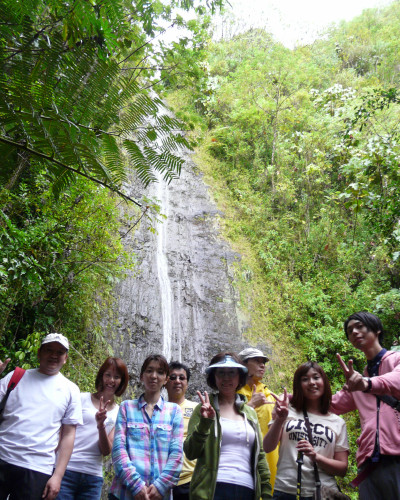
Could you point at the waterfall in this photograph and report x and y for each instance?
(162, 267)
(180, 300)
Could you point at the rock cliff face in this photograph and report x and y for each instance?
(180, 301)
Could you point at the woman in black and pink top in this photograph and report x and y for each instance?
(329, 448)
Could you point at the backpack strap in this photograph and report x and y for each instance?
(16, 377)
(12, 384)
(389, 400)
(316, 473)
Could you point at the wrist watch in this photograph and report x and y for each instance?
(368, 380)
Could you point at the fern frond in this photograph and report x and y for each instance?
(65, 101)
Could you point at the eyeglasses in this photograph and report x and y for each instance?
(180, 377)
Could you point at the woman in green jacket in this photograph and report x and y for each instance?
(225, 438)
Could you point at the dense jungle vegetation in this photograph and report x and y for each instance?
(300, 148)
(77, 116)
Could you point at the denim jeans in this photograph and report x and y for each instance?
(80, 486)
(227, 491)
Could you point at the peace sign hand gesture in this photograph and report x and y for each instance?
(101, 415)
(354, 380)
(281, 408)
(206, 410)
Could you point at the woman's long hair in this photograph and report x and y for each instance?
(298, 400)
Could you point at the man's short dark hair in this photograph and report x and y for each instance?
(177, 365)
(369, 320)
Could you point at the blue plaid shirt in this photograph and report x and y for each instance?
(147, 450)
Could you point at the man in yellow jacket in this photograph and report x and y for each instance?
(259, 397)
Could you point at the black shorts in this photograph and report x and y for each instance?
(21, 483)
(181, 492)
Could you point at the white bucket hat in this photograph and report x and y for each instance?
(226, 362)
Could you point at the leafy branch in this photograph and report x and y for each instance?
(51, 159)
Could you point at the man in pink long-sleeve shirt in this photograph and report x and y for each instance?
(375, 394)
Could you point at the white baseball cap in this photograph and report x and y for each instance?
(56, 337)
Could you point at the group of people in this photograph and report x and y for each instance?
(241, 442)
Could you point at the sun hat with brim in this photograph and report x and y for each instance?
(252, 352)
(56, 337)
(226, 362)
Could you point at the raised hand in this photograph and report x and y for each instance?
(3, 364)
(281, 405)
(257, 398)
(354, 380)
(101, 414)
(206, 410)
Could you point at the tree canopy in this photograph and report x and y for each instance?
(306, 145)
(73, 96)
(78, 114)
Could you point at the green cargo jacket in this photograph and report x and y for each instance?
(203, 442)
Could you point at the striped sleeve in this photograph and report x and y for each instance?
(124, 467)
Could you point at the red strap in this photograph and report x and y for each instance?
(16, 377)
(363, 474)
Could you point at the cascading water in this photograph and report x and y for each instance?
(162, 267)
(180, 300)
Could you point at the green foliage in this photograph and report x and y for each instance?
(71, 98)
(305, 153)
(305, 162)
(77, 114)
(56, 257)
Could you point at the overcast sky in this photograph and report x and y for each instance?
(298, 21)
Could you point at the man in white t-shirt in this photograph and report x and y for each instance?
(178, 380)
(40, 416)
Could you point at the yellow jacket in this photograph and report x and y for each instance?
(264, 414)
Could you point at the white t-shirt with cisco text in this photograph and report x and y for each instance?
(329, 435)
